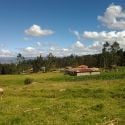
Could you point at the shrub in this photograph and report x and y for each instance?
(28, 81)
(98, 107)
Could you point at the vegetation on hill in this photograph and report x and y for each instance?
(112, 55)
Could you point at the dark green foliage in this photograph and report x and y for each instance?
(20, 63)
(16, 120)
(28, 81)
(8, 69)
(37, 63)
(111, 54)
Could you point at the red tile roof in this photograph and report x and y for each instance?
(83, 66)
(82, 69)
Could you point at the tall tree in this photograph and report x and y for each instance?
(20, 62)
(20, 58)
(106, 54)
(114, 53)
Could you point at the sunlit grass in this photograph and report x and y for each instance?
(51, 101)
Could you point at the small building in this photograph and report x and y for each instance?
(43, 69)
(82, 70)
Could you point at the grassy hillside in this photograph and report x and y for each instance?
(55, 99)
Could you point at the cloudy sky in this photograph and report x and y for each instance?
(63, 27)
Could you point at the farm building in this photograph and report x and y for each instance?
(82, 70)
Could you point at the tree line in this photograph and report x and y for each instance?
(111, 55)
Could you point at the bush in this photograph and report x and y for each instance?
(98, 107)
(28, 81)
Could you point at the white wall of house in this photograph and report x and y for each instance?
(83, 73)
(87, 73)
(95, 73)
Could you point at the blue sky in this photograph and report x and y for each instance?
(71, 22)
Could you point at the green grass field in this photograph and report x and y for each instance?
(55, 99)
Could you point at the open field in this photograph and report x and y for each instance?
(55, 99)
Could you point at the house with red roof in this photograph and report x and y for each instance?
(82, 70)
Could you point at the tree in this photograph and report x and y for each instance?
(8, 69)
(106, 55)
(20, 58)
(114, 53)
(51, 61)
(20, 62)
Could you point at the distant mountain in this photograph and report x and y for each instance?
(8, 60)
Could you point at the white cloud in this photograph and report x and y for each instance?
(36, 30)
(77, 48)
(52, 48)
(80, 49)
(38, 43)
(65, 49)
(114, 17)
(65, 52)
(6, 53)
(76, 33)
(96, 45)
(78, 45)
(105, 36)
(100, 37)
(30, 49)
(58, 51)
